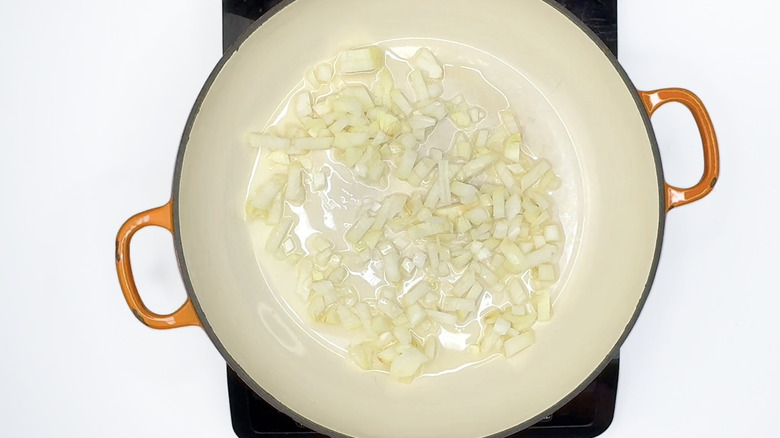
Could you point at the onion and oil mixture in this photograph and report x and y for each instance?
(418, 231)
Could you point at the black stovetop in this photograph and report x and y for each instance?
(587, 415)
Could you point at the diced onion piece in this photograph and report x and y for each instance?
(345, 140)
(380, 323)
(279, 157)
(421, 121)
(276, 211)
(311, 143)
(516, 344)
(478, 164)
(501, 326)
(388, 355)
(324, 72)
(475, 291)
(460, 261)
(392, 266)
(371, 238)
(489, 341)
(408, 363)
(401, 102)
(359, 229)
(389, 308)
(403, 335)
(434, 109)
(417, 82)
(514, 256)
(498, 204)
(303, 105)
(464, 284)
(419, 259)
(295, 192)
(516, 168)
(348, 104)
(322, 108)
(498, 260)
(542, 303)
(265, 195)
(480, 138)
(504, 174)
(541, 255)
(359, 92)
(318, 243)
(421, 171)
(391, 206)
(416, 314)
(269, 142)
(500, 229)
(466, 192)
(406, 164)
(388, 123)
(311, 81)
(517, 292)
(425, 60)
(288, 248)
(385, 339)
(477, 215)
(498, 137)
(512, 149)
(348, 319)
(509, 121)
(431, 227)
(319, 181)
(476, 114)
(279, 233)
(452, 304)
(416, 293)
(361, 60)
(526, 247)
(552, 233)
(436, 89)
(433, 196)
(442, 317)
(430, 348)
(534, 174)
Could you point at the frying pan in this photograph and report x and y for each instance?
(577, 106)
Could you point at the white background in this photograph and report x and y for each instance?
(93, 99)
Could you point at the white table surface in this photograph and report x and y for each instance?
(93, 99)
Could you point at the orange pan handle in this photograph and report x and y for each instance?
(161, 217)
(676, 196)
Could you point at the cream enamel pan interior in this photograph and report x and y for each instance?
(591, 122)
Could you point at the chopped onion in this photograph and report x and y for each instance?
(452, 304)
(265, 195)
(416, 293)
(418, 85)
(476, 238)
(516, 344)
(502, 326)
(552, 233)
(407, 363)
(361, 60)
(425, 61)
(268, 142)
(401, 102)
